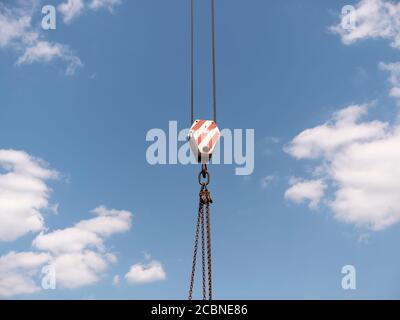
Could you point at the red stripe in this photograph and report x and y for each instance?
(201, 137)
(213, 140)
(198, 125)
(213, 125)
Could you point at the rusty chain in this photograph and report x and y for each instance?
(209, 250)
(204, 203)
(196, 244)
(203, 256)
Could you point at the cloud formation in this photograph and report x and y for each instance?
(71, 9)
(17, 270)
(359, 162)
(394, 78)
(78, 254)
(18, 33)
(358, 159)
(146, 272)
(343, 129)
(310, 190)
(24, 194)
(43, 51)
(21, 35)
(375, 19)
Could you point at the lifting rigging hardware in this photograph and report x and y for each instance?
(203, 136)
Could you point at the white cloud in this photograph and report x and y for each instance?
(16, 284)
(377, 19)
(22, 260)
(13, 28)
(67, 240)
(368, 182)
(17, 270)
(71, 9)
(107, 222)
(311, 190)
(394, 79)
(23, 193)
(342, 130)
(44, 51)
(86, 233)
(79, 269)
(146, 273)
(17, 32)
(99, 4)
(374, 19)
(363, 171)
(80, 256)
(77, 253)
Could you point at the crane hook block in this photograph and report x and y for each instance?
(203, 137)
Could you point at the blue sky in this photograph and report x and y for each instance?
(280, 71)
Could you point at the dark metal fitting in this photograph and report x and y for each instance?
(206, 177)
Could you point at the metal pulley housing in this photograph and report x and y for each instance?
(203, 137)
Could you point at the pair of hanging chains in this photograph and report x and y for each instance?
(204, 204)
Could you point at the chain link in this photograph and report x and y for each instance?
(203, 256)
(209, 251)
(196, 245)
